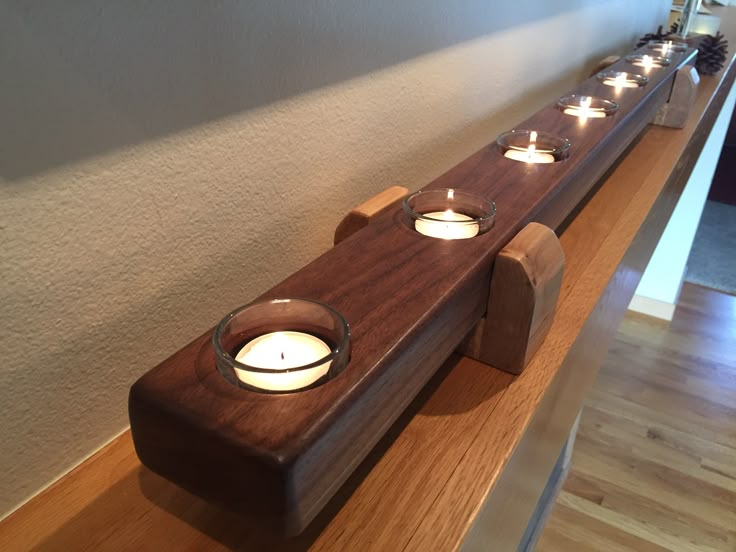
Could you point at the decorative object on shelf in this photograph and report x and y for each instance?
(586, 107)
(658, 35)
(666, 47)
(360, 216)
(648, 62)
(525, 285)
(533, 147)
(449, 214)
(712, 49)
(712, 52)
(622, 79)
(282, 345)
(675, 111)
(411, 301)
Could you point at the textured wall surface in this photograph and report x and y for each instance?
(164, 162)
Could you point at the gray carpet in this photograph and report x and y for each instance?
(712, 261)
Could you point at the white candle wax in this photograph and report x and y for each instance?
(529, 155)
(584, 113)
(583, 110)
(449, 225)
(646, 61)
(281, 351)
(620, 83)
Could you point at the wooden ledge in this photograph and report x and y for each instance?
(466, 463)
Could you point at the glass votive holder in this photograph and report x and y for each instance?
(665, 47)
(281, 345)
(648, 62)
(533, 147)
(586, 107)
(622, 79)
(449, 214)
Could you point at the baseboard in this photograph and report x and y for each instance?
(652, 307)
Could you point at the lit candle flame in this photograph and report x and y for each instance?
(647, 61)
(532, 136)
(620, 80)
(450, 194)
(585, 108)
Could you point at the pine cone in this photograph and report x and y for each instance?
(659, 35)
(711, 54)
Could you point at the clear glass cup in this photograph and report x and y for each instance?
(589, 107)
(282, 345)
(449, 214)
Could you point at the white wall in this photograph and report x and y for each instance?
(164, 162)
(661, 282)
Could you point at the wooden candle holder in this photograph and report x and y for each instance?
(409, 299)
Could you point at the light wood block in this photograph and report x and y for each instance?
(603, 64)
(361, 216)
(525, 286)
(676, 111)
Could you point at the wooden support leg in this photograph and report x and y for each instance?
(604, 64)
(360, 216)
(525, 285)
(677, 109)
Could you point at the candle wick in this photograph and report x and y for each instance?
(282, 355)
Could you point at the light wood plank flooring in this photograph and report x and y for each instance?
(654, 465)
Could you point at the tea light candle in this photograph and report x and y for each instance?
(646, 62)
(530, 153)
(281, 351)
(448, 225)
(584, 111)
(667, 47)
(621, 82)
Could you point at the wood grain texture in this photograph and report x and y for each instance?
(360, 216)
(284, 456)
(449, 450)
(525, 285)
(655, 464)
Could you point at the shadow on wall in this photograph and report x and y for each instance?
(81, 79)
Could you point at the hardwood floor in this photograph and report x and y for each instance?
(654, 464)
